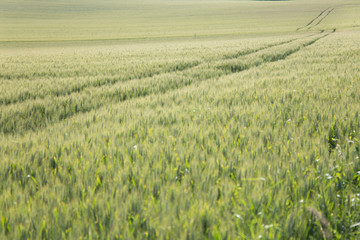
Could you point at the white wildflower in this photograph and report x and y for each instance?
(268, 226)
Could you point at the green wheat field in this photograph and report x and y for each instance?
(179, 119)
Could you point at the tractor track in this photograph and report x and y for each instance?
(318, 19)
(112, 80)
(85, 105)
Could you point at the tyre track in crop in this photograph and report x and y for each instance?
(107, 80)
(318, 16)
(327, 14)
(251, 51)
(266, 58)
(318, 19)
(26, 95)
(44, 112)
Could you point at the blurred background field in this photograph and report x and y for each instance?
(147, 19)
